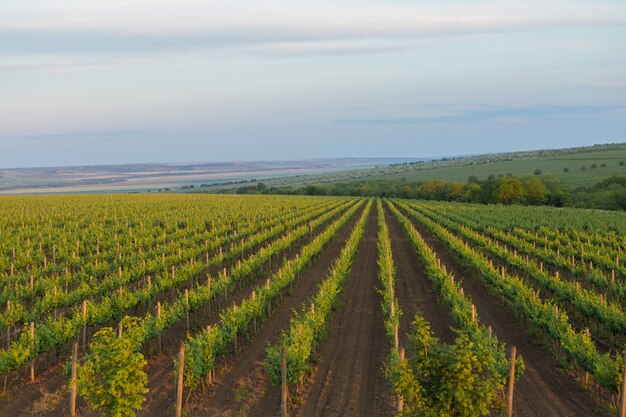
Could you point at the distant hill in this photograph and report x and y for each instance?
(144, 177)
(574, 167)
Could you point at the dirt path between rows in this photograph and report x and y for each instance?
(162, 395)
(413, 288)
(543, 390)
(244, 368)
(349, 380)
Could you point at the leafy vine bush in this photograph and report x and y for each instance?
(466, 378)
(103, 383)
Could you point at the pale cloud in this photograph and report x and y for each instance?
(291, 28)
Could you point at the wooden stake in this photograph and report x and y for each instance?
(400, 404)
(73, 381)
(395, 336)
(179, 392)
(85, 325)
(159, 319)
(32, 352)
(284, 392)
(622, 408)
(511, 382)
(187, 307)
(210, 373)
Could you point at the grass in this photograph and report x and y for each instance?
(575, 177)
(48, 402)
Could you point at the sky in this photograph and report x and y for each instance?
(129, 81)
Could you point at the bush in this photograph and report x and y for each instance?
(566, 169)
(111, 375)
(538, 172)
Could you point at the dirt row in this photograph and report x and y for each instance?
(242, 383)
(543, 390)
(350, 378)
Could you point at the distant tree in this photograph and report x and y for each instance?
(260, 186)
(622, 163)
(594, 166)
(472, 179)
(538, 172)
(491, 177)
(566, 169)
(536, 191)
(603, 165)
(510, 191)
(584, 168)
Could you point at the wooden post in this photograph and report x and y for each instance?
(159, 319)
(473, 313)
(395, 336)
(622, 407)
(210, 373)
(32, 352)
(85, 325)
(284, 392)
(400, 399)
(187, 307)
(73, 381)
(179, 392)
(511, 383)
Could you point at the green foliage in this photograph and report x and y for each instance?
(111, 375)
(441, 380)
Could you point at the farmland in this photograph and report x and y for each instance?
(318, 305)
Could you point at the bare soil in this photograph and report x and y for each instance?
(543, 390)
(350, 379)
(221, 399)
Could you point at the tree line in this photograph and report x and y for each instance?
(609, 194)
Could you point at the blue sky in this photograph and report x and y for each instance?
(112, 81)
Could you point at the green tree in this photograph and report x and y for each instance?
(509, 191)
(538, 171)
(111, 376)
(535, 191)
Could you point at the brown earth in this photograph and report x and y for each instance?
(543, 390)
(221, 399)
(413, 288)
(349, 380)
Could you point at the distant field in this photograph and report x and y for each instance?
(576, 177)
(146, 177)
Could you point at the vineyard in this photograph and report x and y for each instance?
(172, 305)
